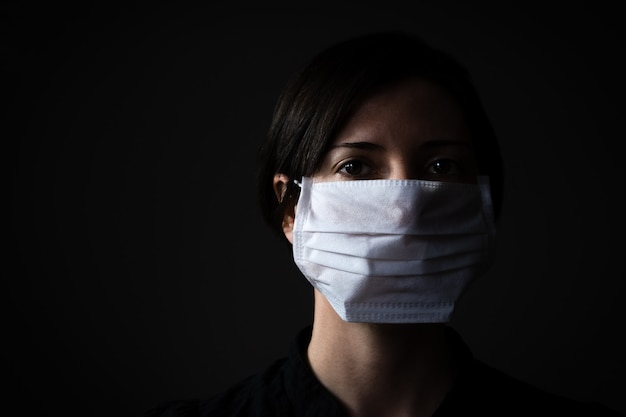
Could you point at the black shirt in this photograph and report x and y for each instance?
(289, 388)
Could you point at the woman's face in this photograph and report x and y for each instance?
(410, 130)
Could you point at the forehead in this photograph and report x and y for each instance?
(415, 107)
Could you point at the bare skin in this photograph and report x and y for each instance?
(409, 130)
(380, 369)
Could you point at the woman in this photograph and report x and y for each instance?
(382, 171)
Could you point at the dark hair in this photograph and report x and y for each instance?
(319, 100)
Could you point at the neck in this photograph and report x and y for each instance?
(380, 369)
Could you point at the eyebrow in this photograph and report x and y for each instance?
(447, 142)
(429, 144)
(356, 145)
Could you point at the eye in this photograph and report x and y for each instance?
(444, 167)
(354, 168)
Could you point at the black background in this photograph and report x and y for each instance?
(138, 268)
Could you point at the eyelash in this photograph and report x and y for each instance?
(450, 165)
(362, 164)
(456, 167)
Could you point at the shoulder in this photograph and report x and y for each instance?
(488, 391)
(502, 394)
(256, 395)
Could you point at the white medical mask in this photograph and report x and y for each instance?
(393, 251)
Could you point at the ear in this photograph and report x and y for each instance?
(280, 188)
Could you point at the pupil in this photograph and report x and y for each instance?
(442, 166)
(352, 168)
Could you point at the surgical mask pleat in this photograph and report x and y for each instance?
(393, 247)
